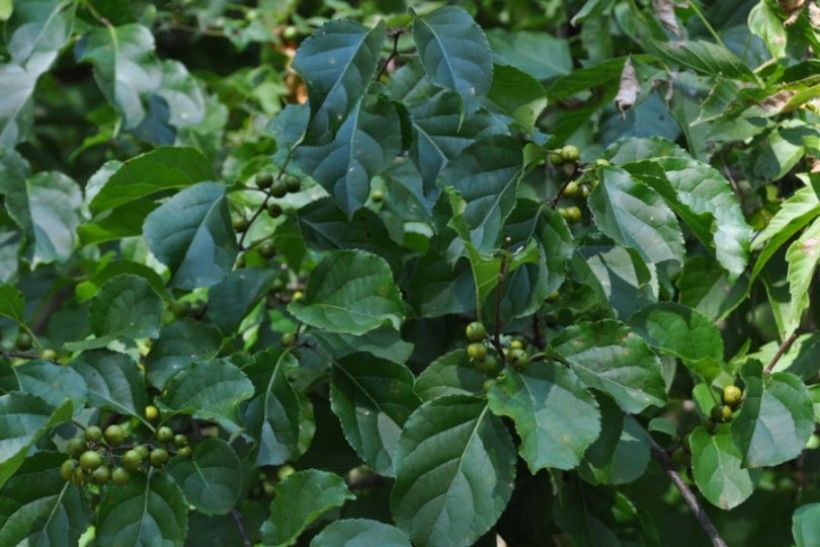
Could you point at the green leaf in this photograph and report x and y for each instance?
(280, 418)
(805, 529)
(764, 22)
(180, 343)
(609, 357)
(518, 94)
(684, 333)
(716, 466)
(191, 233)
(337, 64)
(37, 505)
(634, 215)
(160, 170)
(124, 67)
(705, 287)
(6, 9)
(360, 533)
(230, 300)
(113, 381)
(450, 374)
(455, 469)
(12, 304)
(372, 399)
(621, 454)
(37, 31)
(208, 390)
(16, 104)
(53, 383)
(534, 53)
(802, 257)
(607, 72)
(149, 510)
(126, 306)
(366, 144)
(46, 206)
(775, 420)
(299, 500)
(705, 58)
(211, 479)
(384, 343)
(554, 414)
(486, 175)
(454, 51)
(350, 292)
(25, 419)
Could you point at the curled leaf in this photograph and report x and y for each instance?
(665, 12)
(628, 88)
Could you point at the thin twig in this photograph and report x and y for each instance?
(17, 354)
(569, 179)
(237, 518)
(265, 201)
(784, 347)
(383, 70)
(536, 333)
(502, 273)
(687, 494)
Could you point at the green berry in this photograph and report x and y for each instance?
(293, 184)
(732, 395)
(297, 296)
(556, 159)
(279, 188)
(120, 476)
(476, 351)
(268, 488)
(571, 189)
(100, 475)
(48, 355)
(570, 153)
(67, 469)
(165, 434)
(721, 413)
(143, 450)
(267, 249)
(288, 338)
(284, 472)
(114, 434)
(571, 214)
(78, 477)
(90, 460)
(184, 451)
(516, 344)
(158, 457)
(601, 162)
(489, 365)
(275, 210)
(75, 447)
(488, 384)
(180, 440)
(377, 196)
(240, 224)
(264, 180)
(151, 412)
(23, 342)
(518, 358)
(132, 459)
(475, 332)
(93, 433)
(180, 309)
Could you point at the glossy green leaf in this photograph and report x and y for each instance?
(535, 53)
(554, 414)
(517, 94)
(716, 466)
(211, 479)
(764, 22)
(776, 417)
(337, 64)
(126, 306)
(36, 32)
(618, 276)
(684, 333)
(37, 507)
(280, 417)
(454, 51)
(12, 304)
(620, 455)
(360, 533)
(634, 215)
(802, 256)
(705, 58)
(384, 343)
(455, 468)
(25, 418)
(350, 292)
(372, 399)
(191, 233)
(179, 344)
(55, 384)
(298, 501)
(230, 300)
(610, 357)
(450, 374)
(113, 381)
(151, 508)
(805, 529)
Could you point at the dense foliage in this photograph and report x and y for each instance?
(396, 272)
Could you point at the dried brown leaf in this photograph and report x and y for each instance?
(628, 88)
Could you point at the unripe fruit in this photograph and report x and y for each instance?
(151, 412)
(475, 332)
(23, 341)
(184, 451)
(721, 413)
(489, 365)
(75, 447)
(556, 159)
(518, 358)
(67, 469)
(267, 249)
(293, 184)
(165, 434)
(516, 344)
(78, 477)
(100, 475)
(120, 476)
(114, 434)
(158, 457)
(49, 355)
(732, 395)
(290, 33)
(571, 189)
(240, 224)
(476, 351)
(93, 433)
(90, 460)
(288, 338)
(601, 162)
(571, 214)
(180, 309)
(264, 180)
(275, 210)
(132, 459)
(268, 488)
(585, 191)
(297, 296)
(377, 196)
(143, 450)
(284, 472)
(180, 440)
(279, 188)
(570, 153)
(487, 385)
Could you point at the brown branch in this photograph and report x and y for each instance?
(687, 494)
(237, 518)
(569, 179)
(396, 34)
(17, 354)
(784, 347)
